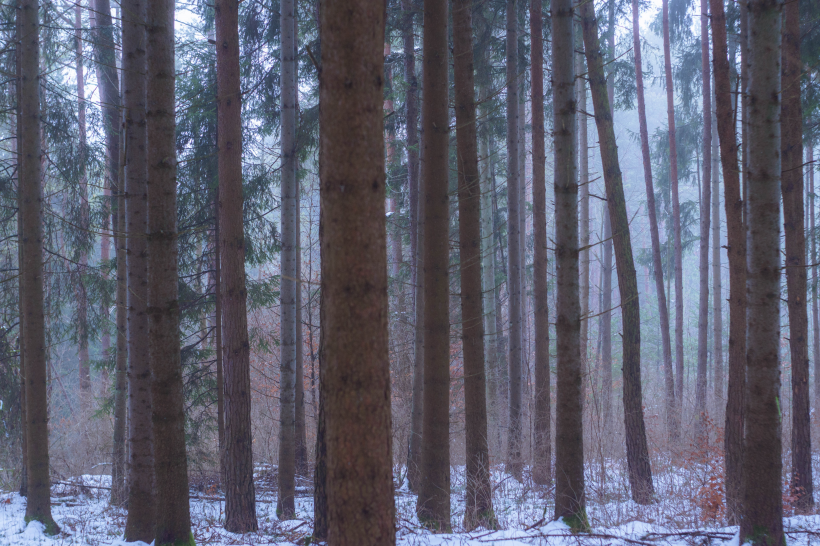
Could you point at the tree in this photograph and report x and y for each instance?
(30, 206)
(761, 520)
(717, 283)
(240, 500)
(542, 455)
(173, 517)
(356, 368)
(570, 499)
(583, 184)
(796, 278)
(141, 501)
(285, 508)
(637, 451)
(657, 266)
(815, 308)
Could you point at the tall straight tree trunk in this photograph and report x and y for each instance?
(570, 498)
(173, 520)
(30, 204)
(479, 500)
(717, 283)
(657, 266)
(673, 171)
(705, 217)
(583, 183)
(141, 502)
(514, 459)
(637, 451)
(761, 520)
(285, 508)
(815, 306)
(542, 454)
(220, 374)
(794, 228)
(416, 204)
(433, 506)
(356, 365)
(736, 251)
(240, 500)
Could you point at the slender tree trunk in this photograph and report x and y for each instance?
(30, 203)
(141, 502)
(220, 375)
(542, 455)
(761, 521)
(514, 459)
(570, 498)
(479, 502)
(290, 246)
(173, 525)
(717, 283)
(18, 134)
(583, 166)
(240, 500)
(320, 485)
(815, 307)
(657, 266)
(701, 434)
(637, 451)
(433, 506)
(794, 228)
(356, 366)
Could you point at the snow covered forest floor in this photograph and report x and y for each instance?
(689, 512)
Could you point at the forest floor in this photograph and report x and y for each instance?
(689, 512)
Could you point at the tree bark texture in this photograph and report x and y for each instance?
(637, 451)
(356, 366)
(815, 307)
(717, 282)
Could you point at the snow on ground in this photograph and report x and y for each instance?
(81, 508)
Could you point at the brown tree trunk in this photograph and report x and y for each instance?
(542, 454)
(514, 459)
(173, 517)
(717, 283)
(220, 375)
(761, 520)
(657, 266)
(705, 217)
(570, 499)
(479, 502)
(583, 183)
(285, 508)
(637, 451)
(815, 307)
(356, 367)
(141, 502)
(118, 486)
(30, 203)
(240, 500)
(794, 228)
(433, 506)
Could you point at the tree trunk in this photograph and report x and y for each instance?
(815, 307)
(761, 521)
(514, 459)
(433, 506)
(701, 434)
(173, 525)
(717, 283)
(141, 501)
(583, 166)
(220, 375)
(570, 499)
(657, 266)
(479, 503)
(356, 366)
(794, 228)
(30, 203)
(542, 454)
(290, 247)
(240, 500)
(637, 451)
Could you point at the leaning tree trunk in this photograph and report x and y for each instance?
(240, 500)
(479, 499)
(285, 508)
(355, 347)
(30, 206)
(542, 455)
(761, 519)
(701, 434)
(433, 507)
(637, 451)
(570, 498)
(794, 228)
(736, 243)
(141, 502)
(173, 520)
(657, 266)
